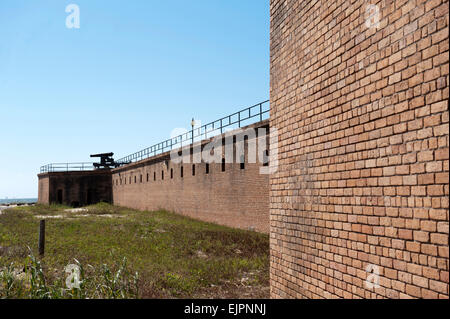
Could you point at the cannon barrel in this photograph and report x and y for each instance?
(102, 155)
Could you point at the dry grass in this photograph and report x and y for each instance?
(175, 256)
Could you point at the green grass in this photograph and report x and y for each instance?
(174, 256)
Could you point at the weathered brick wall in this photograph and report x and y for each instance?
(362, 116)
(235, 197)
(43, 189)
(77, 188)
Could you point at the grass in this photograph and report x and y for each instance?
(126, 253)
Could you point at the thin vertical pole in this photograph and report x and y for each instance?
(42, 237)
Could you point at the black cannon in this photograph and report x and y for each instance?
(106, 161)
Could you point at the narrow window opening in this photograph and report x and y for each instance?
(147, 177)
(154, 176)
(242, 158)
(171, 173)
(266, 158)
(90, 197)
(162, 175)
(207, 168)
(181, 172)
(60, 196)
(223, 165)
(141, 179)
(135, 179)
(193, 169)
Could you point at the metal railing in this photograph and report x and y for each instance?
(66, 167)
(247, 116)
(244, 117)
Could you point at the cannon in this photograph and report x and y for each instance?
(106, 161)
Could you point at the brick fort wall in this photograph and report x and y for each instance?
(359, 97)
(229, 194)
(77, 188)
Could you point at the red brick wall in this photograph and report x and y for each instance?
(236, 197)
(362, 116)
(43, 189)
(78, 188)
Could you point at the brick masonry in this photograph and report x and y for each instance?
(362, 115)
(237, 197)
(75, 188)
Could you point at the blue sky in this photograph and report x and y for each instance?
(131, 73)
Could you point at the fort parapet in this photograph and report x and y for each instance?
(233, 194)
(75, 188)
(230, 191)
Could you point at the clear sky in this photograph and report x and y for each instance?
(131, 73)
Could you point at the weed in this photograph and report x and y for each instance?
(174, 255)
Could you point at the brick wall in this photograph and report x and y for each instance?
(237, 197)
(43, 189)
(76, 188)
(362, 115)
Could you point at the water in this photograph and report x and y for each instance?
(10, 201)
(17, 201)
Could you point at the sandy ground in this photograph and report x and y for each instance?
(77, 212)
(2, 207)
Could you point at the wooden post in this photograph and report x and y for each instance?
(41, 237)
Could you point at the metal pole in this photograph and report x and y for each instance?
(192, 125)
(41, 237)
